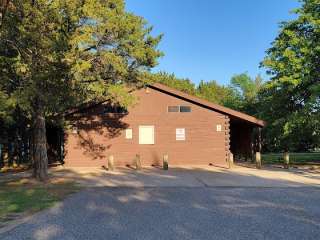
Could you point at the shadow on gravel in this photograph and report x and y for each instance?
(189, 177)
(179, 213)
(180, 203)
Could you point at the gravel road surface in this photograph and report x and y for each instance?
(178, 213)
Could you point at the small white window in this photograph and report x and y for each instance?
(146, 134)
(180, 134)
(129, 133)
(184, 109)
(173, 108)
(181, 109)
(219, 128)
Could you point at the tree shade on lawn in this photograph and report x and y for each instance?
(24, 196)
(295, 158)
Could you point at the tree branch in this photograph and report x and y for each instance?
(3, 10)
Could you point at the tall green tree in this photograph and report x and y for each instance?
(290, 101)
(246, 87)
(170, 80)
(246, 90)
(216, 93)
(55, 54)
(7, 106)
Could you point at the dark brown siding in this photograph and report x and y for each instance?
(100, 135)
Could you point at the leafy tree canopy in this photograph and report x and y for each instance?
(56, 54)
(223, 95)
(291, 100)
(246, 90)
(60, 52)
(246, 87)
(181, 84)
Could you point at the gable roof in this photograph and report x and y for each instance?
(207, 104)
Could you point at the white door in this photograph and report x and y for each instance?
(146, 134)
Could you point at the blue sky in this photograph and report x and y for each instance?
(213, 39)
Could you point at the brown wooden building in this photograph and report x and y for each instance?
(164, 121)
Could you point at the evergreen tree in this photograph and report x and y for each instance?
(56, 54)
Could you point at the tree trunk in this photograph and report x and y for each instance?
(40, 158)
(1, 156)
(10, 152)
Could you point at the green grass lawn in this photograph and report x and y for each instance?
(295, 158)
(25, 197)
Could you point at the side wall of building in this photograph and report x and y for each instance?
(96, 134)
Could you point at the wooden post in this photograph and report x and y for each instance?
(259, 139)
(230, 160)
(252, 145)
(258, 160)
(138, 162)
(258, 153)
(111, 163)
(286, 160)
(165, 162)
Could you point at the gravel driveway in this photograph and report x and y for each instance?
(179, 213)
